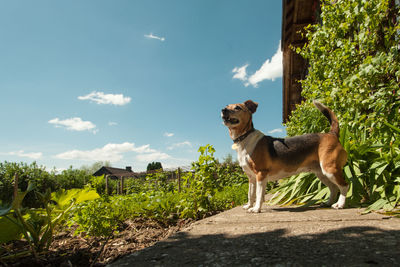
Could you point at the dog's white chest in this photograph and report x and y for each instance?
(245, 148)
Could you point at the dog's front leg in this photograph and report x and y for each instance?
(260, 192)
(252, 193)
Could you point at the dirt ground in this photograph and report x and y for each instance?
(70, 250)
(278, 236)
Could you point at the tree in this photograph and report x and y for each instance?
(228, 159)
(154, 166)
(90, 169)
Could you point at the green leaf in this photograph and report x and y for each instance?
(392, 126)
(17, 202)
(377, 205)
(64, 197)
(9, 230)
(5, 210)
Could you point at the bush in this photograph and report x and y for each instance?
(40, 177)
(355, 70)
(32, 173)
(72, 178)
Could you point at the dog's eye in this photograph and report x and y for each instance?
(238, 108)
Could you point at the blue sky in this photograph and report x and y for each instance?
(133, 82)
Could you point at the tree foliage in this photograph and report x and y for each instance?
(40, 177)
(153, 166)
(354, 68)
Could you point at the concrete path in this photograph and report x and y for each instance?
(279, 236)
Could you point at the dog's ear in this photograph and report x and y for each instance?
(251, 105)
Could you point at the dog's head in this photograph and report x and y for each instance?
(238, 116)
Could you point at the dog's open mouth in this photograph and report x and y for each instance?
(230, 120)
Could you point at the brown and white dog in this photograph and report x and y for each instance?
(265, 158)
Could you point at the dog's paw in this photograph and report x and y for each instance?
(254, 210)
(247, 206)
(337, 206)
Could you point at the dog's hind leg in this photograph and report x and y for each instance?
(335, 176)
(343, 187)
(333, 188)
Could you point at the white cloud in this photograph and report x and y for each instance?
(151, 36)
(102, 98)
(74, 124)
(110, 152)
(144, 149)
(278, 130)
(168, 134)
(152, 157)
(32, 155)
(112, 123)
(182, 144)
(240, 73)
(270, 70)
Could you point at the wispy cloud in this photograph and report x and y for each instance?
(102, 98)
(110, 152)
(177, 145)
(23, 154)
(270, 70)
(74, 124)
(278, 130)
(240, 72)
(168, 134)
(151, 36)
(112, 123)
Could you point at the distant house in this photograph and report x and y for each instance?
(115, 173)
(296, 14)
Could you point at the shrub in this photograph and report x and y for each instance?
(27, 174)
(355, 70)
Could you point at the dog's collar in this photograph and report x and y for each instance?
(242, 137)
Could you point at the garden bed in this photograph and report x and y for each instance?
(70, 250)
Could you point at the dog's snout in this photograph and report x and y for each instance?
(225, 113)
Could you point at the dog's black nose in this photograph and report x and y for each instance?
(224, 110)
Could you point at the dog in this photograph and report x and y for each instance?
(265, 158)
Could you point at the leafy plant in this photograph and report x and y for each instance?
(212, 187)
(37, 225)
(355, 70)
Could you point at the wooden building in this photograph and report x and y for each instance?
(116, 174)
(296, 14)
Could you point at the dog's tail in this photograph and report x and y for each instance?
(333, 121)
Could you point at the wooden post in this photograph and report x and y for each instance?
(107, 192)
(122, 184)
(179, 179)
(15, 186)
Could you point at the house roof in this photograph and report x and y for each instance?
(114, 172)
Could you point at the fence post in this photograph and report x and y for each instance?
(15, 186)
(107, 193)
(179, 179)
(122, 184)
